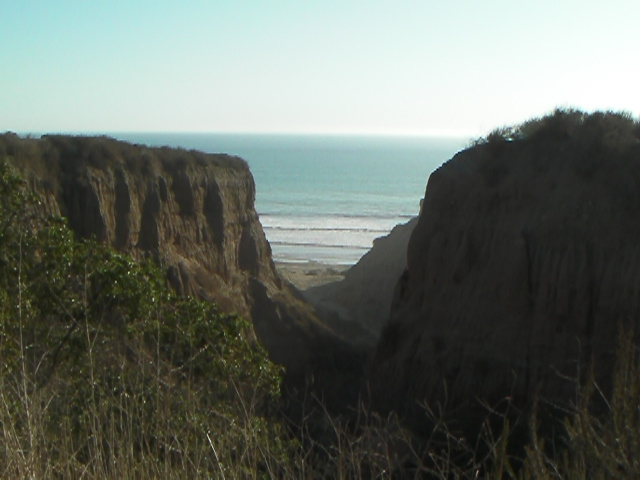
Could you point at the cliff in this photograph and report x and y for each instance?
(190, 212)
(362, 300)
(523, 266)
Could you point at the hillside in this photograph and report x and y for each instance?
(509, 351)
(522, 270)
(192, 214)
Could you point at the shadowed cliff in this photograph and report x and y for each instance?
(361, 301)
(191, 213)
(523, 265)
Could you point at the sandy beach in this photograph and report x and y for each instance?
(311, 274)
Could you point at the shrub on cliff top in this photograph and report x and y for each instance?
(613, 130)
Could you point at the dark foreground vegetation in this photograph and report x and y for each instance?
(105, 373)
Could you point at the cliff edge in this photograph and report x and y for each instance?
(191, 213)
(523, 266)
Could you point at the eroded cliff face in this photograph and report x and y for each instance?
(523, 265)
(190, 212)
(362, 300)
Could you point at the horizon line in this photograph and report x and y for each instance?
(407, 134)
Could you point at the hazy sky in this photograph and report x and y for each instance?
(351, 66)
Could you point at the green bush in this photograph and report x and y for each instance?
(104, 372)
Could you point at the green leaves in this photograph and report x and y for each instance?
(112, 349)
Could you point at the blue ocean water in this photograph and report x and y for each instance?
(326, 198)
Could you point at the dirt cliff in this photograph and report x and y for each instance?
(190, 212)
(362, 299)
(523, 265)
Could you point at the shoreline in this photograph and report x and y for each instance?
(305, 275)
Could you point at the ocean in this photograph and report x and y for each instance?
(325, 198)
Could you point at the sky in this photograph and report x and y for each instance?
(462, 67)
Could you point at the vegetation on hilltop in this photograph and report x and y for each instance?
(615, 131)
(97, 150)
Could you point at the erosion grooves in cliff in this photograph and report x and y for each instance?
(523, 265)
(190, 212)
